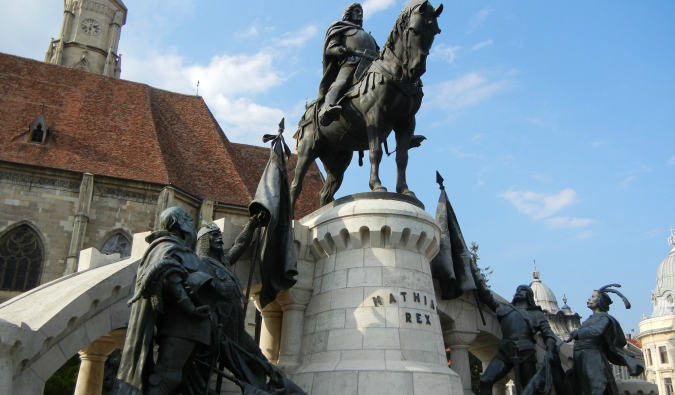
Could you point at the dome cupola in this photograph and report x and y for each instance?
(543, 295)
(663, 297)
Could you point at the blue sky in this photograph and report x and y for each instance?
(553, 123)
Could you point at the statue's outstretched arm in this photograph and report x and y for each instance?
(483, 291)
(244, 239)
(589, 331)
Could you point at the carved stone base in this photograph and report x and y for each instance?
(371, 325)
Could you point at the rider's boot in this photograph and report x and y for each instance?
(330, 112)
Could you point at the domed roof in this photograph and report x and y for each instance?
(543, 296)
(566, 309)
(663, 297)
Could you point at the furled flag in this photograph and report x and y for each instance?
(452, 266)
(278, 260)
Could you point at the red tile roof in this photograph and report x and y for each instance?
(117, 128)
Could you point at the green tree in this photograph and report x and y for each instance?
(63, 380)
(476, 371)
(486, 272)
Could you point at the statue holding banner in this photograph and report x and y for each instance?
(190, 306)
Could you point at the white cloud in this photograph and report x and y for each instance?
(596, 144)
(478, 20)
(251, 32)
(540, 205)
(585, 234)
(567, 222)
(456, 151)
(371, 7)
(671, 161)
(482, 44)
(225, 74)
(244, 121)
(444, 52)
(298, 39)
(634, 174)
(541, 177)
(226, 83)
(477, 137)
(466, 91)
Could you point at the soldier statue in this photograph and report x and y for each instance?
(222, 291)
(520, 320)
(345, 46)
(599, 341)
(181, 304)
(162, 303)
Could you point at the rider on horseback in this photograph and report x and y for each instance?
(340, 59)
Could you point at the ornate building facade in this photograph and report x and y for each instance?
(657, 333)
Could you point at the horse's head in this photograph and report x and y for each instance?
(422, 28)
(413, 34)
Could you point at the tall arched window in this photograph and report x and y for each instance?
(21, 259)
(117, 244)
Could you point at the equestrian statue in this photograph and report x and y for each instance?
(364, 95)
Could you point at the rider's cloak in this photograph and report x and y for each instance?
(331, 64)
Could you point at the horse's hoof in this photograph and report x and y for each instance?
(380, 189)
(410, 193)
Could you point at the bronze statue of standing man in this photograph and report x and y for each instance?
(599, 341)
(520, 320)
(343, 49)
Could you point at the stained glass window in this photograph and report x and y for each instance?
(21, 259)
(117, 244)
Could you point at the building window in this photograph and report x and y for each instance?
(649, 357)
(117, 244)
(668, 383)
(21, 259)
(663, 354)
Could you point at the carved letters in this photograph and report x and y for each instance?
(378, 301)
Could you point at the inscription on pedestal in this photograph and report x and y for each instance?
(378, 301)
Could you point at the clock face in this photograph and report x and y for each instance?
(90, 27)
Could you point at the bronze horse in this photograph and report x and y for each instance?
(386, 97)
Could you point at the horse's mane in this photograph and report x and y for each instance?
(401, 26)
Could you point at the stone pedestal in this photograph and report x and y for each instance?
(371, 325)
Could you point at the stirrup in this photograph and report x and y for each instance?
(330, 114)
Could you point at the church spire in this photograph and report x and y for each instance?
(535, 273)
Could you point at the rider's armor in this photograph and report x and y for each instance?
(355, 39)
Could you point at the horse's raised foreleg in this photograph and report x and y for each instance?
(335, 164)
(306, 156)
(403, 132)
(375, 148)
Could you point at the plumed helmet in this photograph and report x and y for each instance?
(605, 300)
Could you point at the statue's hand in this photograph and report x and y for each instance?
(262, 217)
(349, 51)
(203, 311)
(573, 336)
(200, 312)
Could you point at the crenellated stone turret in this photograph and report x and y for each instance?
(371, 324)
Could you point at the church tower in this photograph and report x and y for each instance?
(89, 37)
